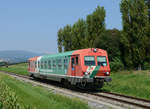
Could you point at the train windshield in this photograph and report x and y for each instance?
(101, 61)
(89, 60)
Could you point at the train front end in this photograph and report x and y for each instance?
(96, 69)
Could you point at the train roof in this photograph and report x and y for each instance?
(33, 58)
(70, 53)
(58, 54)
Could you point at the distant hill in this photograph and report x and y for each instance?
(16, 56)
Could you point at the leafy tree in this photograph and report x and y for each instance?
(110, 41)
(148, 44)
(82, 34)
(148, 4)
(64, 39)
(134, 35)
(95, 25)
(67, 36)
(60, 40)
(79, 34)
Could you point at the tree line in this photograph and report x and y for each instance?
(128, 48)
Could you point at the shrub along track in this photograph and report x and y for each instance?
(98, 99)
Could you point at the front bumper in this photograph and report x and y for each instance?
(108, 79)
(105, 78)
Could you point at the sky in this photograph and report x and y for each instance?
(32, 25)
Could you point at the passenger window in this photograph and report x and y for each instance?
(41, 64)
(65, 63)
(49, 64)
(54, 64)
(59, 63)
(38, 64)
(35, 64)
(76, 60)
(45, 65)
(72, 61)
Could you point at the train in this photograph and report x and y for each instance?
(85, 68)
(3, 63)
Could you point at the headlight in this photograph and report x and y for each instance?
(86, 73)
(107, 73)
(95, 50)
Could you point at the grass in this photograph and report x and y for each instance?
(132, 83)
(39, 97)
(18, 68)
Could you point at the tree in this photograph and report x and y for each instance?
(60, 40)
(148, 34)
(110, 41)
(64, 39)
(82, 34)
(148, 4)
(134, 35)
(95, 25)
(79, 34)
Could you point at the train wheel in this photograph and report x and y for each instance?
(65, 83)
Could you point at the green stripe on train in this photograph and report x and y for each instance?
(95, 72)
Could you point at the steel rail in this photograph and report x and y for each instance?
(125, 101)
(131, 97)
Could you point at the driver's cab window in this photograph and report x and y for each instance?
(101, 61)
(89, 60)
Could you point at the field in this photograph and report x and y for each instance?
(38, 97)
(133, 83)
(18, 68)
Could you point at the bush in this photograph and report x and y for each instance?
(116, 65)
(146, 66)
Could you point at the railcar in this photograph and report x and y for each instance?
(85, 68)
(2, 63)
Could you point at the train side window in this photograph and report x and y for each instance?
(77, 60)
(38, 64)
(41, 64)
(72, 61)
(54, 64)
(49, 64)
(59, 63)
(45, 64)
(65, 63)
(30, 64)
(35, 64)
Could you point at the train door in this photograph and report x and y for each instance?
(74, 64)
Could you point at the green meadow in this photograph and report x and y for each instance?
(35, 96)
(133, 83)
(17, 68)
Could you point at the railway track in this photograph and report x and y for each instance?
(128, 100)
(112, 98)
